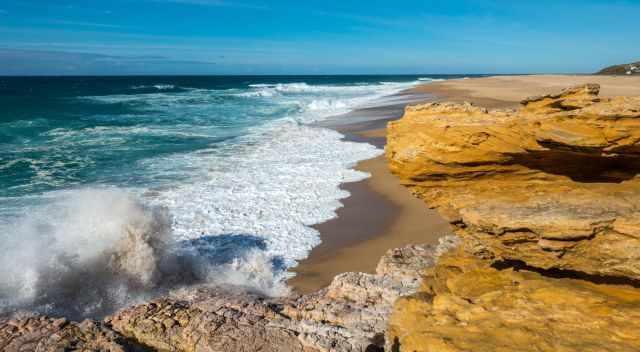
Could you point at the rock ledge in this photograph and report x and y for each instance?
(546, 200)
(349, 315)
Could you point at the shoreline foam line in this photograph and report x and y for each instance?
(245, 212)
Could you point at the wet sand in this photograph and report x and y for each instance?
(380, 214)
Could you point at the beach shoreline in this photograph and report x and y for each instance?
(394, 218)
(380, 214)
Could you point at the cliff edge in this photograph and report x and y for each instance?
(546, 199)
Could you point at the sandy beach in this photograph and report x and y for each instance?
(356, 238)
(380, 213)
(502, 91)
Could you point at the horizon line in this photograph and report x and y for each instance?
(292, 75)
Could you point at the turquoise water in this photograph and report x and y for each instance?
(153, 170)
(61, 132)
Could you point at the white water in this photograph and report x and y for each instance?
(242, 217)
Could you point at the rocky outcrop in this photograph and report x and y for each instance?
(625, 69)
(34, 333)
(207, 320)
(553, 184)
(349, 315)
(546, 200)
(468, 305)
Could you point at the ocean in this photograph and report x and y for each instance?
(117, 189)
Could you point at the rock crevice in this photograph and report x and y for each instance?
(553, 184)
(546, 199)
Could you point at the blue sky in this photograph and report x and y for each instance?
(315, 37)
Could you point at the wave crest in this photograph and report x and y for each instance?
(94, 251)
(155, 86)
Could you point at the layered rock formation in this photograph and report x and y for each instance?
(467, 305)
(553, 184)
(547, 201)
(349, 315)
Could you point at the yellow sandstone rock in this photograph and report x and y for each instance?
(553, 184)
(478, 308)
(547, 201)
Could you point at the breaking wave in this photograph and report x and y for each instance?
(156, 86)
(221, 187)
(93, 251)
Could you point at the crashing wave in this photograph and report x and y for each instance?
(93, 251)
(234, 218)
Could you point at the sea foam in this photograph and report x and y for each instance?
(87, 252)
(273, 185)
(92, 251)
(241, 213)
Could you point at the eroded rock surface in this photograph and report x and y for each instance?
(206, 320)
(36, 333)
(553, 184)
(467, 305)
(546, 201)
(349, 315)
